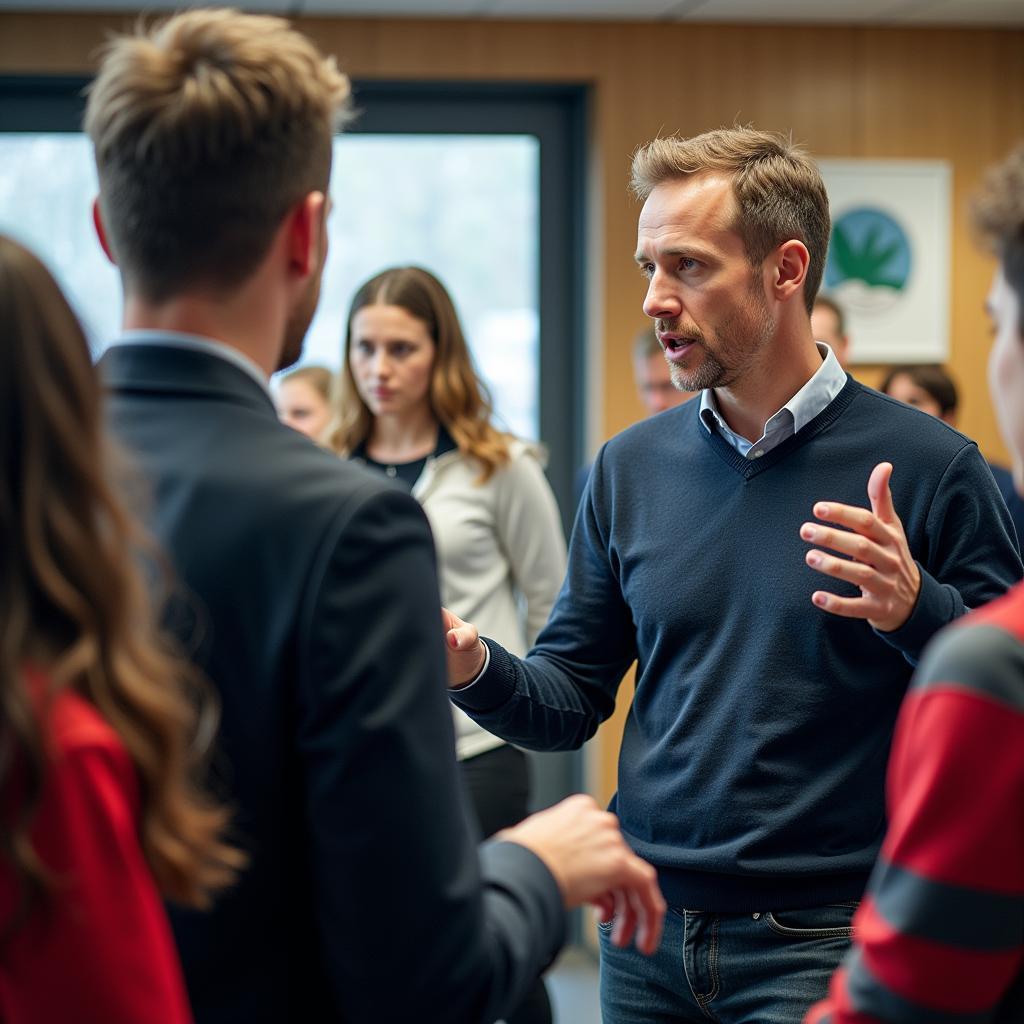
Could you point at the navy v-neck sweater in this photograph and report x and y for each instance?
(752, 764)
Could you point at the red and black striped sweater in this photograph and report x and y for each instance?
(939, 938)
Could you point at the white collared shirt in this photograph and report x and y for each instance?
(811, 399)
(194, 343)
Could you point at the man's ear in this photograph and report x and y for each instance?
(789, 270)
(101, 231)
(306, 223)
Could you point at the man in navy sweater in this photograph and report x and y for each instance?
(724, 545)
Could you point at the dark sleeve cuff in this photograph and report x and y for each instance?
(507, 866)
(937, 605)
(493, 687)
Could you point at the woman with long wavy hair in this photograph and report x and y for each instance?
(101, 723)
(412, 406)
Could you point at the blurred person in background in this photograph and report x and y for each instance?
(412, 406)
(828, 325)
(654, 388)
(310, 592)
(940, 933)
(652, 377)
(931, 389)
(304, 400)
(925, 386)
(101, 723)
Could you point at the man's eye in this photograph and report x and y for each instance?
(688, 263)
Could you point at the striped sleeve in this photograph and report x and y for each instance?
(939, 938)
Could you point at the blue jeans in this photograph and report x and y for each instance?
(757, 968)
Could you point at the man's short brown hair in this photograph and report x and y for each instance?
(778, 188)
(207, 129)
(998, 212)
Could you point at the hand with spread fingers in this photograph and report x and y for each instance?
(879, 560)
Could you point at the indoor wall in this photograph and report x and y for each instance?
(874, 93)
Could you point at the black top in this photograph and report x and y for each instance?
(407, 472)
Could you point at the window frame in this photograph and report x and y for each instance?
(556, 114)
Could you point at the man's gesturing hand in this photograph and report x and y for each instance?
(465, 649)
(582, 846)
(882, 565)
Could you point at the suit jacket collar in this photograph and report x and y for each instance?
(171, 370)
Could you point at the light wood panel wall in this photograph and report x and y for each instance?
(898, 93)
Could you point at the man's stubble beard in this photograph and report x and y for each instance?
(710, 373)
(751, 328)
(298, 325)
(301, 317)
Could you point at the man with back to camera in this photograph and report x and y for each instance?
(310, 595)
(940, 934)
(752, 763)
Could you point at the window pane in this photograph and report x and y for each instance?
(47, 185)
(463, 206)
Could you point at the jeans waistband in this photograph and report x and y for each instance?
(738, 894)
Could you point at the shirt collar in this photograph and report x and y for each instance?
(194, 343)
(819, 392)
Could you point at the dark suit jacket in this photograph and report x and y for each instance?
(311, 602)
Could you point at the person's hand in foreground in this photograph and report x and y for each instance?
(583, 848)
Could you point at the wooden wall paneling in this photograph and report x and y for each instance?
(886, 93)
(942, 101)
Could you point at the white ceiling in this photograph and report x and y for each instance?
(851, 12)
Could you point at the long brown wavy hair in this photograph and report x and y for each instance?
(459, 400)
(74, 606)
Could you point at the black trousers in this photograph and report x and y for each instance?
(498, 782)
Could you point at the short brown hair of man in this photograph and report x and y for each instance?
(778, 188)
(998, 210)
(207, 129)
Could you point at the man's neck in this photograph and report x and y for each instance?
(229, 321)
(764, 387)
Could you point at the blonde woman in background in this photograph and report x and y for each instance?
(99, 812)
(412, 406)
(303, 398)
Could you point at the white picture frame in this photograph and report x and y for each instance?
(889, 257)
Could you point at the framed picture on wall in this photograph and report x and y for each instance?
(889, 257)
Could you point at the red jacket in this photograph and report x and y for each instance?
(99, 950)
